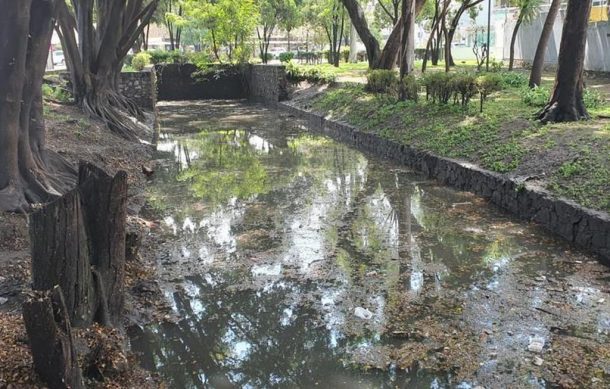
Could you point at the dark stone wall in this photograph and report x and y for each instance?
(140, 87)
(583, 227)
(267, 83)
(176, 82)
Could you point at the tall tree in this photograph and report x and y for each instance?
(273, 13)
(28, 172)
(173, 18)
(528, 10)
(378, 58)
(465, 6)
(566, 103)
(96, 36)
(543, 42)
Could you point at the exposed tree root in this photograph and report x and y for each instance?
(554, 113)
(118, 113)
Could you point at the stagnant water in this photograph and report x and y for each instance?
(293, 261)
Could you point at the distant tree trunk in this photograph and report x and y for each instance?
(545, 36)
(566, 102)
(106, 29)
(353, 44)
(378, 58)
(28, 172)
(513, 40)
(407, 43)
(455, 21)
(288, 39)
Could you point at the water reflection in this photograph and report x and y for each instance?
(275, 237)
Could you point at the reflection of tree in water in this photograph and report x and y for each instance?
(241, 338)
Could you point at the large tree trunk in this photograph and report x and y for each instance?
(106, 29)
(513, 40)
(566, 102)
(28, 173)
(377, 58)
(406, 46)
(547, 31)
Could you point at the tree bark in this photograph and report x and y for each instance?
(50, 334)
(96, 61)
(28, 172)
(377, 58)
(513, 40)
(78, 243)
(545, 36)
(566, 103)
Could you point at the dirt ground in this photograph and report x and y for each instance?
(76, 137)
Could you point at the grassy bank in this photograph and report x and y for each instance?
(571, 160)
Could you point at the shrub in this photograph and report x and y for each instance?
(438, 86)
(56, 93)
(345, 54)
(286, 57)
(128, 59)
(496, 66)
(537, 96)
(513, 79)
(313, 74)
(159, 56)
(266, 57)
(487, 84)
(464, 87)
(408, 88)
(141, 60)
(592, 98)
(381, 81)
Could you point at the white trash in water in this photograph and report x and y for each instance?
(363, 313)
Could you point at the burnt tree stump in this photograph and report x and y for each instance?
(78, 243)
(104, 202)
(48, 326)
(60, 255)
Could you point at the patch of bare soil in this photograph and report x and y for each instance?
(76, 137)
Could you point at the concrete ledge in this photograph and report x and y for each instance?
(581, 226)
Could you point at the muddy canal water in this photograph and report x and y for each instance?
(293, 261)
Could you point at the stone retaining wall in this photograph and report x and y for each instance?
(267, 83)
(176, 82)
(583, 227)
(141, 87)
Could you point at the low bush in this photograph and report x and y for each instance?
(159, 56)
(513, 79)
(464, 87)
(141, 60)
(537, 96)
(438, 86)
(487, 84)
(312, 74)
(286, 57)
(592, 98)
(55, 93)
(408, 88)
(381, 81)
(345, 54)
(266, 57)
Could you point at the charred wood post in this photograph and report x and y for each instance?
(48, 327)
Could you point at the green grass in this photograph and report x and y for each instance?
(572, 159)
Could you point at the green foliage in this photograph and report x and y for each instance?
(345, 54)
(266, 57)
(496, 66)
(537, 96)
(381, 81)
(487, 84)
(592, 98)
(464, 87)
(160, 56)
(513, 79)
(313, 74)
(409, 88)
(438, 86)
(55, 93)
(286, 57)
(141, 60)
